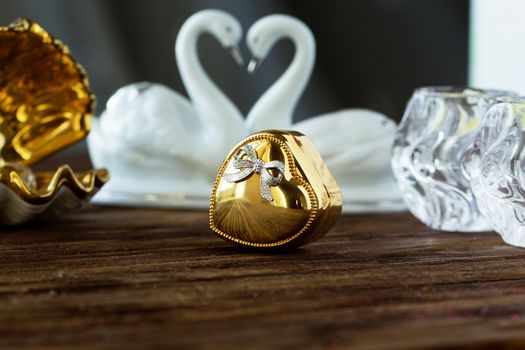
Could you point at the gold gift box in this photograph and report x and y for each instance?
(45, 106)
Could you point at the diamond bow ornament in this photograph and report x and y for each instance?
(258, 166)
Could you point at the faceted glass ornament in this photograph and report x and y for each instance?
(498, 183)
(431, 157)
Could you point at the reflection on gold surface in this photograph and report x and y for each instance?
(45, 103)
(258, 223)
(306, 203)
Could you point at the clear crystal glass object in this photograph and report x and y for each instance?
(498, 182)
(431, 157)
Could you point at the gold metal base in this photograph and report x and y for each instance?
(306, 203)
(42, 187)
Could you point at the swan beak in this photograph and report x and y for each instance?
(236, 54)
(254, 65)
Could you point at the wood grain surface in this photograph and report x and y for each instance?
(142, 279)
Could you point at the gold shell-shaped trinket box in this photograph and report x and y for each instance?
(45, 106)
(274, 191)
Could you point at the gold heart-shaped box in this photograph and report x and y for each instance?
(274, 191)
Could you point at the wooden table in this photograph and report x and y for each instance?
(135, 279)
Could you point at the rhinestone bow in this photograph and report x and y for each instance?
(255, 165)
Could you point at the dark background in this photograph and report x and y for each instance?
(371, 53)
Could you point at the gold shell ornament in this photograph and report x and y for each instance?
(45, 106)
(274, 191)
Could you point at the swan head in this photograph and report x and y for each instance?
(264, 34)
(225, 28)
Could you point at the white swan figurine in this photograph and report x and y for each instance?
(164, 150)
(355, 143)
(161, 148)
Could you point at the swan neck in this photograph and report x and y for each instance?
(275, 107)
(215, 110)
